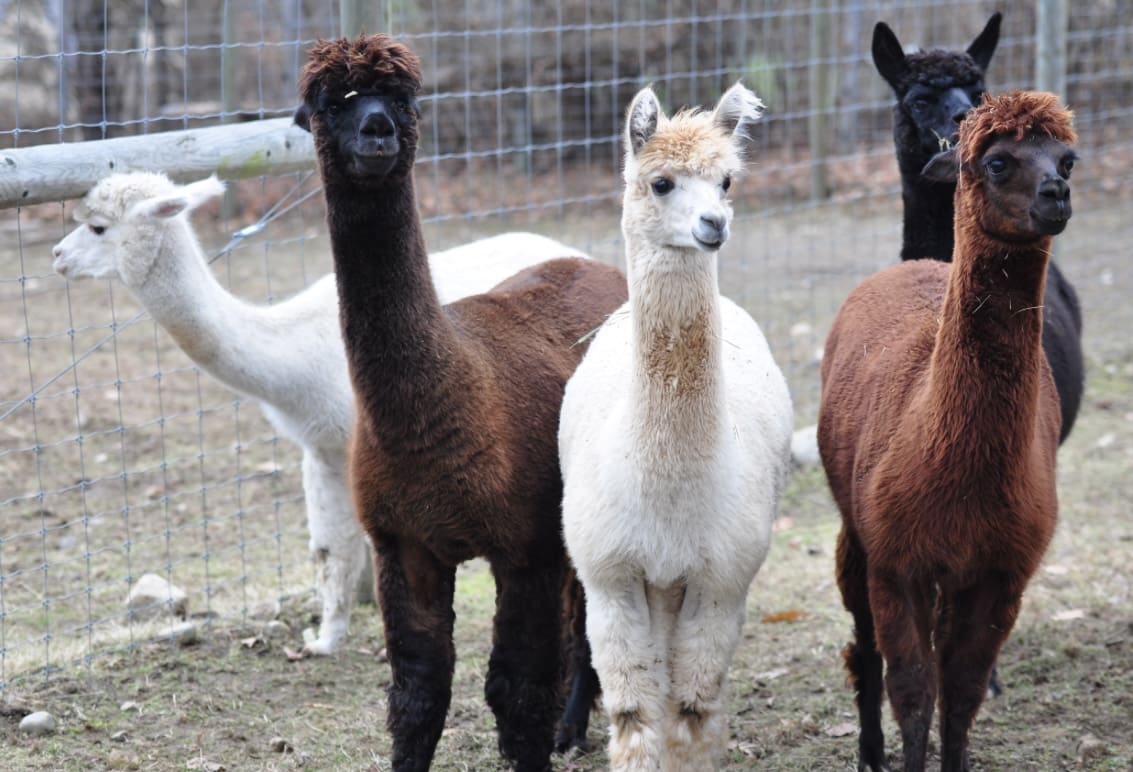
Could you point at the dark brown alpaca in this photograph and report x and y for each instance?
(457, 457)
(938, 430)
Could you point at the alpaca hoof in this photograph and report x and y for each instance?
(568, 740)
(313, 646)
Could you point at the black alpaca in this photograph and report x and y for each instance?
(935, 89)
(456, 456)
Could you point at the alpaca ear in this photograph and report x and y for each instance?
(984, 45)
(302, 117)
(738, 108)
(196, 193)
(158, 208)
(943, 167)
(888, 55)
(641, 119)
(186, 199)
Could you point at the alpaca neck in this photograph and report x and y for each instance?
(677, 346)
(928, 205)
(986, 367)
(927, 228)
(216, 330)
(399, 342)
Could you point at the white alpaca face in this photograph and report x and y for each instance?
(685, 210)
(90, 250)
(121, 224)
(678, 171)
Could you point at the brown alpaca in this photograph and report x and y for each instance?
(938, 429)
(455, 458)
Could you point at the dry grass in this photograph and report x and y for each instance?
(195, 486)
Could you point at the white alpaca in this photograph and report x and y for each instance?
(289, 356)
(675, 444)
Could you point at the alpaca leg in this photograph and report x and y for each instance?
(980, 622)
(862, 659)
(582, 680)
(628, 641)
(902, 613)
(416, 593)
(703, 644)
(524, 680)
(339, 547)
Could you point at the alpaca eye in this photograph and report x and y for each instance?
(1067, 167)
(920, 104)
(727, 183)
(662, 186)
(97, 230)
(996, 166)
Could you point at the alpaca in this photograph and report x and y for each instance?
(935, 90)
(675, 445)
(289, 355)
(938, 429)
(455, 457)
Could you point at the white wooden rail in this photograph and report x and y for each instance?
(44, 173)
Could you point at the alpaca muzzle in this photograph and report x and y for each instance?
(1052, 207)
(710, 231)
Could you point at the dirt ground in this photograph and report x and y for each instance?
(236, 701)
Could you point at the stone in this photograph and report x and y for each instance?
(152, 597)
(40, 722)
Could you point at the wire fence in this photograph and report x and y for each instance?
(118, 457)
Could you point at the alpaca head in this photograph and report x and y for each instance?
(121, 224)
(360, 103)
(678, 170)
(1012, 166)
(935, 89)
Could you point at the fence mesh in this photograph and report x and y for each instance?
(118, 457)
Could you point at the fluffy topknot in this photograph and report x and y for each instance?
(365, 63)
(940, 69)
(689, 142)
(112, 196)
(1015, 114)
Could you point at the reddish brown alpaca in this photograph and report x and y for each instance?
(938, 429)
(457, 457)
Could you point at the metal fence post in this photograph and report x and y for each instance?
(1051, 22)
(1051, 25)
(820, 83)
(359, 15)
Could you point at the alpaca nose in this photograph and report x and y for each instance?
(1055, 189)
(1054, 192)
(58, 264)
(377, 124)
(713, 222)
(711, 230)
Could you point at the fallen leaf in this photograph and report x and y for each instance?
(844, 729)
(204, 765)
(250, 643)
(1069, 615)
(293, 655)
(791, 615)
(784, 523)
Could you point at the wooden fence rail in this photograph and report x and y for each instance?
(45, 173)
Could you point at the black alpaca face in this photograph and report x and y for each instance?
(936, 110)
(934, 89)
(366, 135)
(1027, 186)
